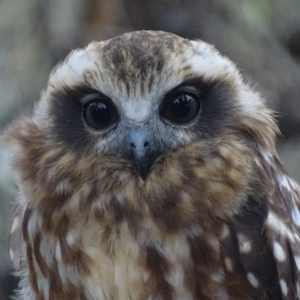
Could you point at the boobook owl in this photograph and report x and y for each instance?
(148, 171)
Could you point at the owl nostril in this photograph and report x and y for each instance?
(146, 144)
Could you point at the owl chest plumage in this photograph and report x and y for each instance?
(116, 237)
(122, 262)
(101, 233)
(129, 243)
(117, 263)
(153, 265)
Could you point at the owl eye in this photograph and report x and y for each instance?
(100, 113)
(181, 107)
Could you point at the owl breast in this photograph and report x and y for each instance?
(119, 237)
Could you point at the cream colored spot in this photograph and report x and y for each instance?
(145, 275)
(185, 197)
(46, 252)
(224, 232)
(217, 163)
(298, 289)
(175, 278)
(63, 186)
(43, 285)
(278, 252)
(218, 276)
(32, 225)
(63, 273)
(15, 224)
(296, 215)
(11, 254)
(86, 188)
(195, 230)
(228, 264)
(174, 173)
(245, 246)
(267, 157)
(213, 242)
(24, 132)
(225, 152)
(283, 287)
(121, 197)
(75, 201)
(201, 173)
(253, 280)
(284, 181)
(274, 222)
(71, 238)
(297, 261)
(58, 252)
(216, 186)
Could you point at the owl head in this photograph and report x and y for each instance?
(147, 110)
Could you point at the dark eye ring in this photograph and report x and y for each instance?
(181, 107)
(100, 113)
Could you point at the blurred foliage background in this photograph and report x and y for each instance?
(262, 37)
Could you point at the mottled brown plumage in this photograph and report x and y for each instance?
(144, 197)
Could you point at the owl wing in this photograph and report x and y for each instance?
(264, 245)
(282, 226)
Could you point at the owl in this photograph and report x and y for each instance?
(148, 170)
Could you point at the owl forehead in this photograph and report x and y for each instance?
(133, 61)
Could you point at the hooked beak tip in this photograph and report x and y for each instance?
(142, 166)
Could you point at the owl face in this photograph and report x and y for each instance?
(140, 96)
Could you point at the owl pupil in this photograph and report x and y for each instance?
(181, 107)
(100, 114)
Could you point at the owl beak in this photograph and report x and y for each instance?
(142, 155)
